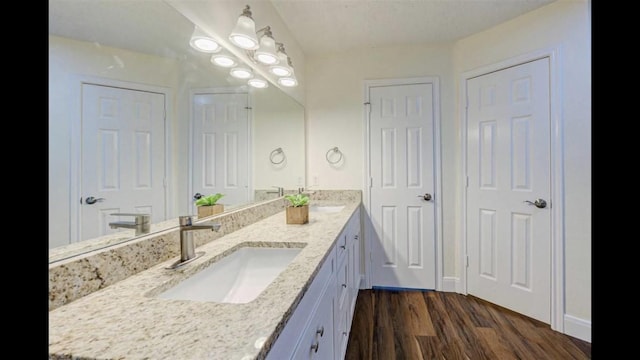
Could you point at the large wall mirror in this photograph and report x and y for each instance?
(139, 122)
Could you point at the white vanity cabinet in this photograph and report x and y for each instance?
(320, 325)
(316, 341)
(347, 283)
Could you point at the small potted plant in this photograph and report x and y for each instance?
(298, 209)
(207, 205)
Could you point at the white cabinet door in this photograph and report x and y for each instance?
(354, 261)
(317, 340)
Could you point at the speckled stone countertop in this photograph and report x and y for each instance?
(126, 321)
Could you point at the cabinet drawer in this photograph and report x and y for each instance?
(341, 336)
(316, 341)
(341, 247)
(323, 283)
(342, 285)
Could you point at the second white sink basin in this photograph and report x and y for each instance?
(325, 209)
(236, 278)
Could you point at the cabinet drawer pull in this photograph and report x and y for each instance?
(343, 246)
(344, 285)
(315, 347)
(320, 331)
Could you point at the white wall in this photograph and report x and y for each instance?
(566, 25)
(278, 122)
(335, 117)
(334, 107)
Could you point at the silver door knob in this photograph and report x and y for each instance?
(539, 203)
(426, 197)
(91, 200)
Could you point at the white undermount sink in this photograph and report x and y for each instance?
(325, 209)
(237, 278)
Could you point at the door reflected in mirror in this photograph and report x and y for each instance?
(139, 122)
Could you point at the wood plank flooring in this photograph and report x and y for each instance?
(426, 325)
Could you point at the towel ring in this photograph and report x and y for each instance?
(274, 154)
(335, 150)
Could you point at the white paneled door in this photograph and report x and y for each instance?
(221, 146)
(509, 187)
(403, 173)
(122, 159)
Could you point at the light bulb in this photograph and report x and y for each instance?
(241, 72)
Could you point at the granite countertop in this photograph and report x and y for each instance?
(126, 321)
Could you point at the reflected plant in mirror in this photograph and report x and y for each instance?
(132, 122)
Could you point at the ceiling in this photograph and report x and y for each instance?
(324, 26)
(319, 26)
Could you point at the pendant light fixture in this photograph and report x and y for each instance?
(241, 72)
(282, 68)
(266, 53)
(244, 34)
(203, 42)
(288, 81)
(223, 59)
(258, 82)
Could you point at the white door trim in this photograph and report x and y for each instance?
(437, 196)
(557, 176)
(220, 90)
(75, 188)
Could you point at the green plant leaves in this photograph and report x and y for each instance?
(209, 200)
(297, 199)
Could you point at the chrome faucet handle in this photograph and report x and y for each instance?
(139, 217)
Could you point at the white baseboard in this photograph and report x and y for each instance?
(578, 328)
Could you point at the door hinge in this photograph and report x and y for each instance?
(466, 261)
(164, 182)
(370, 182)
(467, 182)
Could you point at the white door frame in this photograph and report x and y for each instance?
(221, 90)
(75, 176)
(437, 196)
(557, 176)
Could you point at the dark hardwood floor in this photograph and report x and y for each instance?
(425, 325)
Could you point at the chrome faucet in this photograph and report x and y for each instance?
(187, 247)
(280, 191)
(141, 223)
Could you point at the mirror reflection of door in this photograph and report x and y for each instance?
(122, 157)
(220, 150)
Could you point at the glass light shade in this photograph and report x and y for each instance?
(266, 54)
(241, 72)
(223, 60)
(244, 34)
(288, 81)
(282, 68)
(258, 83)
(203, 42)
